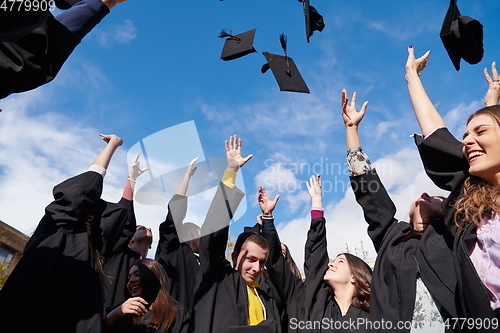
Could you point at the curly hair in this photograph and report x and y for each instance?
(362, 274)
(479, 198)
(155, 289)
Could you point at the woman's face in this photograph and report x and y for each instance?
(481, 147)
(338, 271)
(424, 208)
(134, 285)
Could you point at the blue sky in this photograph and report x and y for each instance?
(151, 65)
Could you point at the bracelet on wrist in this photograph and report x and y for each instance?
(317, 208)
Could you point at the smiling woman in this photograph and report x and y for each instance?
(149, 306)
(471, 171)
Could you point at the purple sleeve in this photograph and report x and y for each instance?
(82, 17)
(316, 213)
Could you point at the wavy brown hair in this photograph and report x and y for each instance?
(479, 197)
(155, 291)
(362, 274)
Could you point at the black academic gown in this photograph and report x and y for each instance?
(444, 163)
(393, 286)
(179, 261)
(15, 24)
(119, 257)
(289, 287)
(319, 301)
(55, 286)
(36, 57)
(221, 301)
(310, 305)
(180, 325)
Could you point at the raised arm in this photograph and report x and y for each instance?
(134, 172)
(493, 94)
(119, 233)
(370, 193)
(177, 208)
(427, 116)
(316, 255)
(315, 252)
(190, 170)
(352, 119)
(215, 229)
(104, 157)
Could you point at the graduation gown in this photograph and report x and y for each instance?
(55, 286)
(176, 257)
(319, 302)
(444, 163)
(180, 325)
(35, 58)
(15, 24)
(310, 305)
(221, 301)
(289, 287)
(119, 257)
(394, 278)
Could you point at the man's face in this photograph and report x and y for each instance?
(250, 261)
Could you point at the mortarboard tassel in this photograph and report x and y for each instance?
(283, 41)
(227, 33)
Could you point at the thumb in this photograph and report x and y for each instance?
(276, 198)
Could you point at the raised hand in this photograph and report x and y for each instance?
(416, 65)
(135, 168)
(266, 205)
(350, 116)
(190, 170)
(233, 153)
(315, 192)
(493, 94)
(112, 139)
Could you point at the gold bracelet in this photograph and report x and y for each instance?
(316, 208)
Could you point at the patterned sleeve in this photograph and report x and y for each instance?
(358, 162)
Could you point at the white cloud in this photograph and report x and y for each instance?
(37, 152)
(121, 34)
(280, 177)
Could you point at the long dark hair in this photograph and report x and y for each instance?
(154, 284)
(362, 274)
(291, 263)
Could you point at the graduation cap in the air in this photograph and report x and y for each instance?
(65, 4)
(314, 20)
(284, 70)
(237, 46)
(462, 36)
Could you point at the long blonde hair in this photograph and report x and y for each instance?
(480, 198)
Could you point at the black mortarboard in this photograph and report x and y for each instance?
(314, 20)
(462, 36)
(237, 46)
(65, 4)
(284, 70)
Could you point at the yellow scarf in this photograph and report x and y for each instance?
(256, 309)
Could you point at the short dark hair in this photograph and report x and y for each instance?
(249, 237)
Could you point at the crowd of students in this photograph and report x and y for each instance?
(85, 268)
